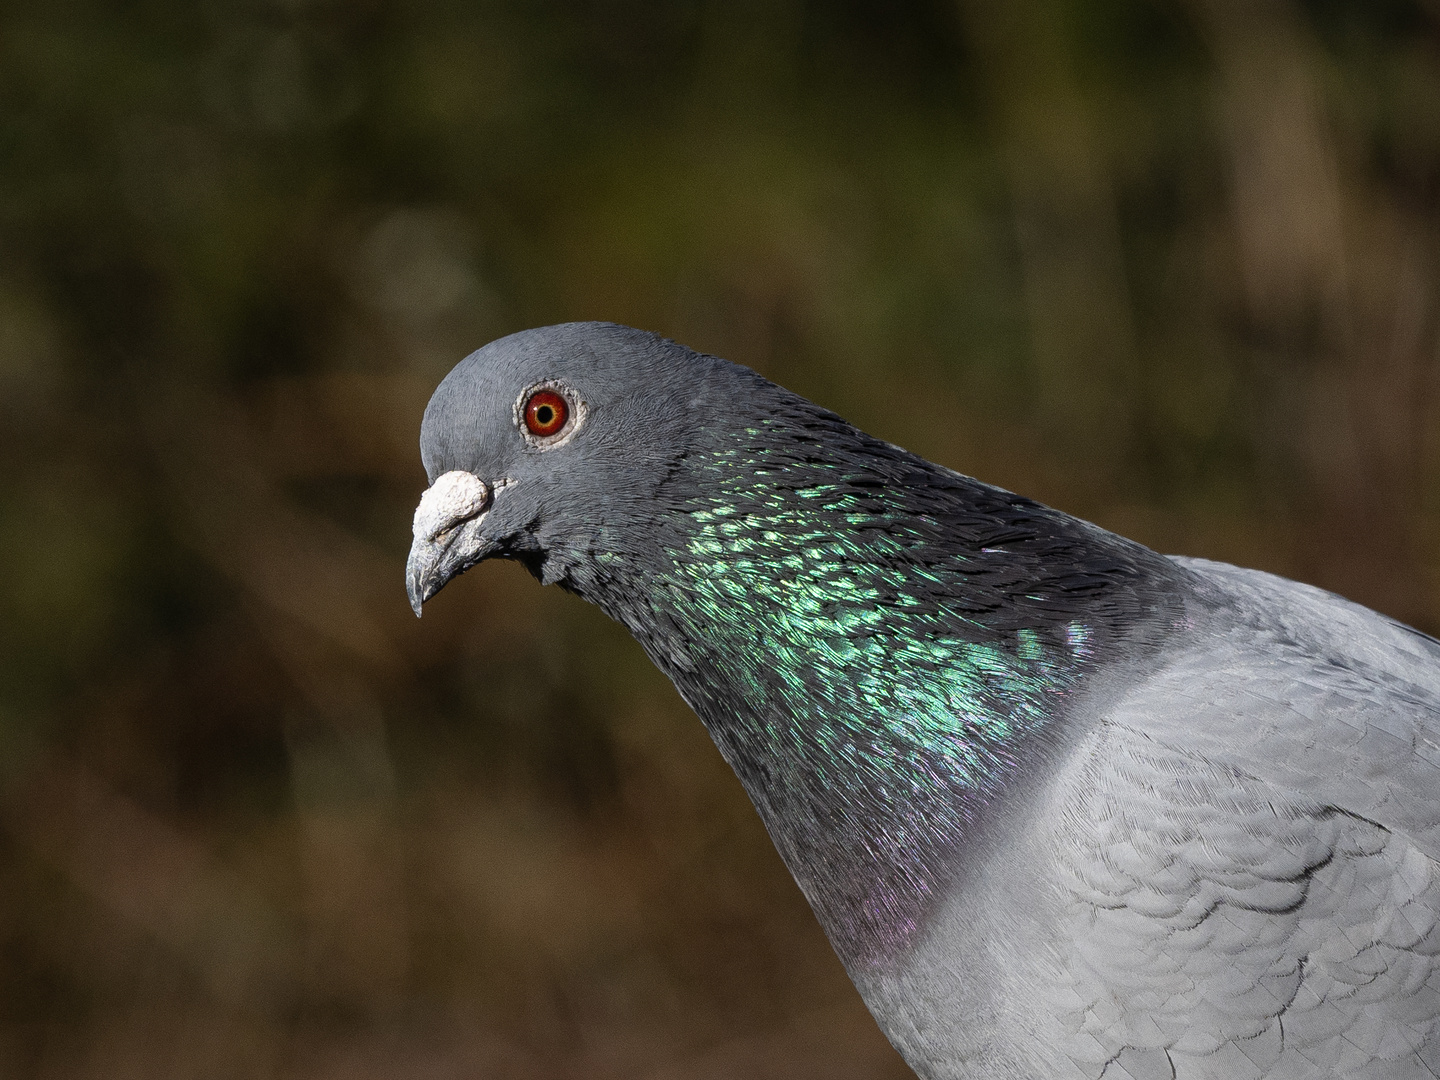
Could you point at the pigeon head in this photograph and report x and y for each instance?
(543, 444)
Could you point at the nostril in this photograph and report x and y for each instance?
(452, 500)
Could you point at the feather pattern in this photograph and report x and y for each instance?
(1066, 808)
(876, 644)
(1232, 875)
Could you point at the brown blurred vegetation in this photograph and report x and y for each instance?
(1168, 265)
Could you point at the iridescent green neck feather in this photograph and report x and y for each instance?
(877, 645)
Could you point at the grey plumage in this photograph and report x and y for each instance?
(1066, 808)
(1234, 875)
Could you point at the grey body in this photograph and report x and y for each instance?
(1218, 858)
(1233, 874)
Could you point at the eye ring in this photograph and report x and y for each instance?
(548, 414)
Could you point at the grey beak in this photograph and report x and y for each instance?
(448, 537)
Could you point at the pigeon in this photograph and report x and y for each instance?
(1065, 807)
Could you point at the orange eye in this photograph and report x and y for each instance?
(546, 413)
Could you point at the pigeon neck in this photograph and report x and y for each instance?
(877, 646)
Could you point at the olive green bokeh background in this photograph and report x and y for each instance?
(1171, 266)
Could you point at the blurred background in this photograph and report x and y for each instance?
(1167, 264)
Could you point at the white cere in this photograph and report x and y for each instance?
(452, 500)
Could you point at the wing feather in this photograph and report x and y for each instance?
(1251, 849)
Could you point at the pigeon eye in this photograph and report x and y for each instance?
(545, 413)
